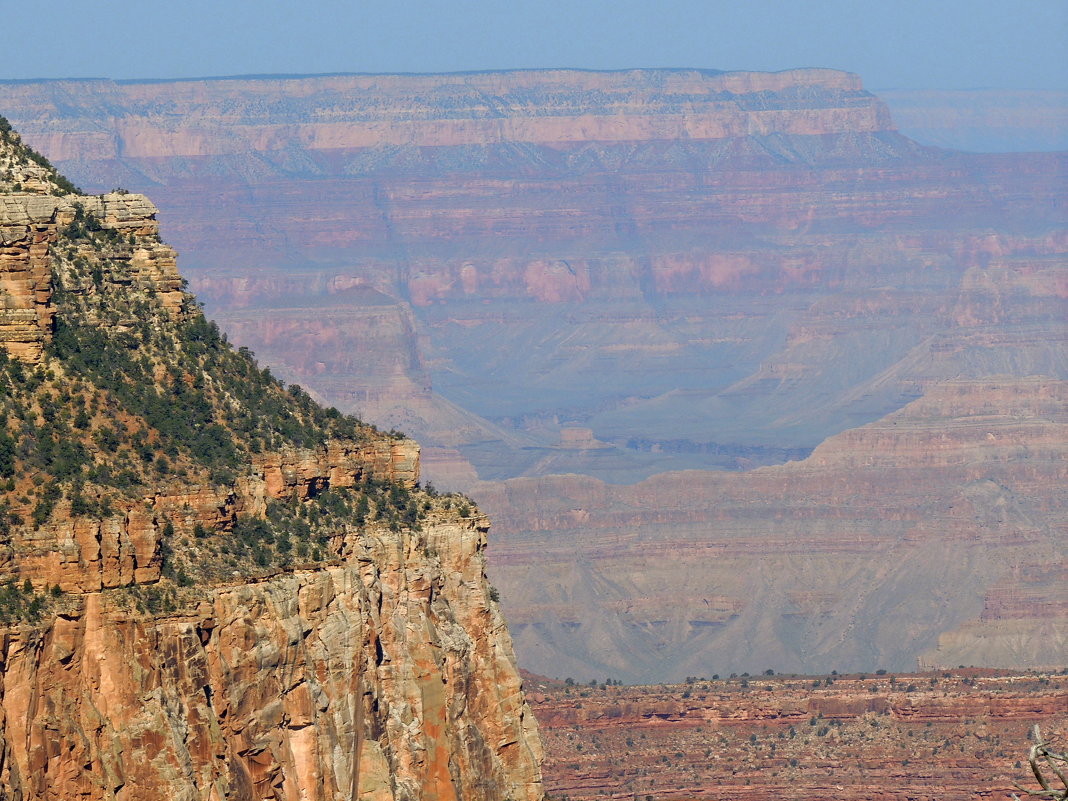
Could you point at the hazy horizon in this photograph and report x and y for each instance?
(952, 45)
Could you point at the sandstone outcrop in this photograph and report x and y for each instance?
(213, 588)
(28, 230)
(550, 107)
(286, 687)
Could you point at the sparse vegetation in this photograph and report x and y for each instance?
(133, 393)
(19, 603)
(786, 735)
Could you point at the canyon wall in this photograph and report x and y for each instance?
(212, 587)
(595, 288)
(982, 120)
(347, 681)
(930, 535)
(644, 239)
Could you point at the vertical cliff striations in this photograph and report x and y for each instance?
(211, 587)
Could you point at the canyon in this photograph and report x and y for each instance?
(929, 537)
(745, 377)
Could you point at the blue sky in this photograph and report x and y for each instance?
(949, 44)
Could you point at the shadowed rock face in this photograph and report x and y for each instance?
(628, 275)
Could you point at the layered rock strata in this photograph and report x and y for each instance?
(951, 734)
(303, 685)
(931, 536)
(213, 588)
(426, 111)
(28, 230)
(704, 271)
(649, 240)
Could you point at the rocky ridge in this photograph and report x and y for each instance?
(213, 587)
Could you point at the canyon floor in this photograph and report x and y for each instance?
(958, 734)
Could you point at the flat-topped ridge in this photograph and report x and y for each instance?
(553, 108)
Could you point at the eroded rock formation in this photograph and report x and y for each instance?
(652, 242)
(932, 535)
(703, 271)
(215, 589)
(284, 687)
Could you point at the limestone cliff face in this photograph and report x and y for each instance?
(212, 587)
(29, 224)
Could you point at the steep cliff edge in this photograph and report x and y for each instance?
(213, 588)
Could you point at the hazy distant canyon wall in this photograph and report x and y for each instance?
(621, 275)
(932, 534)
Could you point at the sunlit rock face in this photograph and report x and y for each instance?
(212, 587)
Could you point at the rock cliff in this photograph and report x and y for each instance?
(214, 588)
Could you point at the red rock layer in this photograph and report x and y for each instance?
(955, 735)
(286, 687)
